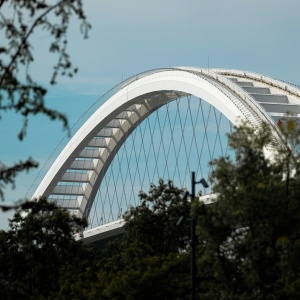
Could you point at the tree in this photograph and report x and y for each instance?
(249, 239)
(151, 260)
(39, 257)
(19, 91)
(153, 221)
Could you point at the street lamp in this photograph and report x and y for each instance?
(193, 232)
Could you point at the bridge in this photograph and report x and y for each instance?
(101, 170)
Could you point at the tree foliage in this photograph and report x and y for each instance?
(39, 258)
(19, 90)
(153, 221)
(151, 260)
(249, 239)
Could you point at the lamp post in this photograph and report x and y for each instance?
(193, 234)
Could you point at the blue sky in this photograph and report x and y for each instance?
(132, 36)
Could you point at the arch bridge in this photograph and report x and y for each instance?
(74, 179)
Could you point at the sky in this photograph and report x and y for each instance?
(129, 37)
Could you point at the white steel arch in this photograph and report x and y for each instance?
(76, 174)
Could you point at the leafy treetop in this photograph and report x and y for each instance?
(249, 238)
